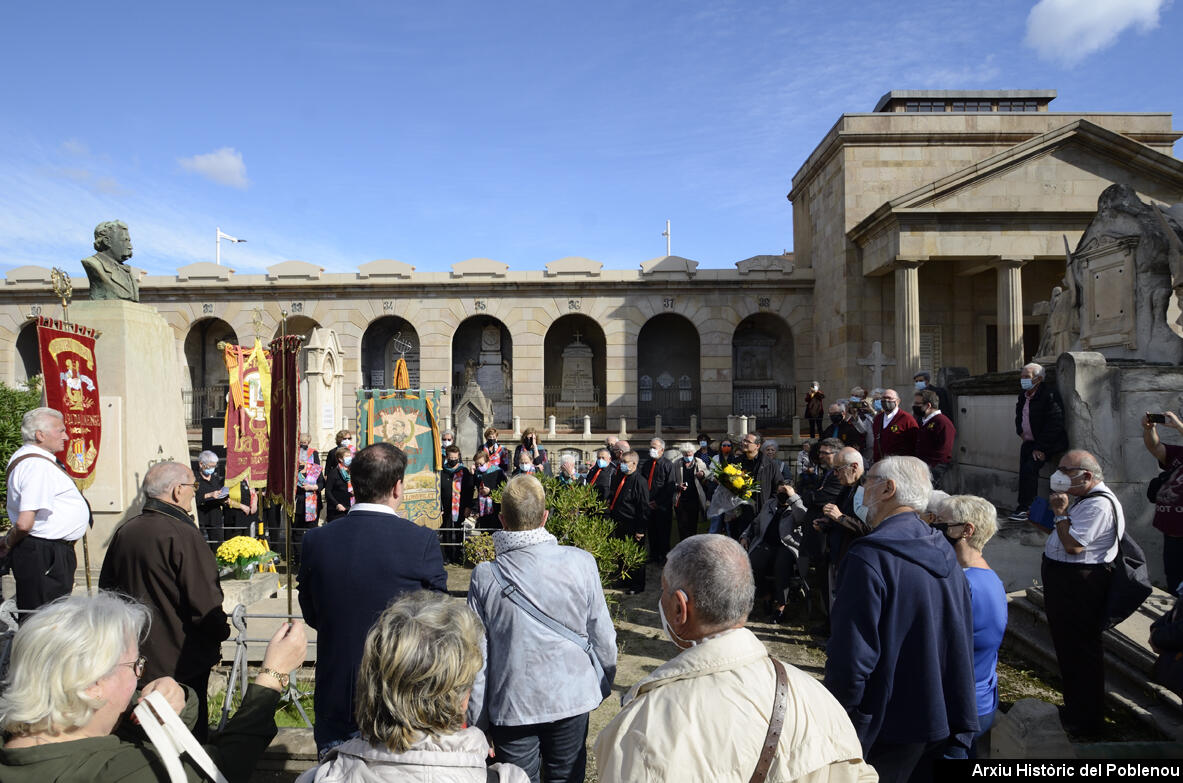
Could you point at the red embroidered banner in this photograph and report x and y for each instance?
(72, 387)
(284, 443)
(247, 416)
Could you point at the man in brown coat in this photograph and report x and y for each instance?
(161, 559)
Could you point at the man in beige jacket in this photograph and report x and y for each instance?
(704, 714)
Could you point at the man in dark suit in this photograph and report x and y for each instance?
(351, 569)
(659, 479)
(601, 474)
(629, 509)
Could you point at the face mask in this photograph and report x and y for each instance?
(654, 454)
(208, 471)
(1060, 481)
(347, 442)
(856, 399)
(725, 448)
(453, 463)
(835, 417)
(348, 461)
(669, 632)
(889, 405)
(918, 411)
(446, 443)
(782, 498)
(601, 463)
(526, 468)
(702, 444)
(1026, 383)
(688, 458)
(877, 405)
(860, 510)
(626, 469)
(921, 385)
(492, 444)
(304, 446)
(813, 387)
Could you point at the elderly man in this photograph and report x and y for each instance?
(1039, 421)
(350, 570)
(690, 501)
(1076, 584)
(531, 722)
(599, 476)
(706, 713)
(161, 558)
(629, 510)
(48, 513)
(894, 429)
(900, 657)
(773, 544)
(841, 426)
(841, 523)
(658, 473)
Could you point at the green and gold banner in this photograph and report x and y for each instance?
(407, 422)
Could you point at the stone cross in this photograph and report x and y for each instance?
(877, 361)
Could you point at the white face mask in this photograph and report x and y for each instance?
(860, 510)
(654, 454)
(1060, 481)
(678, 641)
(446, 442)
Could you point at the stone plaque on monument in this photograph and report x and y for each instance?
(577, 387)
(1109, 281)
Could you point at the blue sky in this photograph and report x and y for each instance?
(523, 131)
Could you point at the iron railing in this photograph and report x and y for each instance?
(675, 406)
(569, 417)
(204, 402)
(772, 405)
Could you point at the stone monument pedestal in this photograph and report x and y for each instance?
(143, 414)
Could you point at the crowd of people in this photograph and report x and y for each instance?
(411, 683)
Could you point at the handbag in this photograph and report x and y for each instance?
(172, 739)
(1130, 585)
(1156, 484)
(510, 591)
(1168, 667)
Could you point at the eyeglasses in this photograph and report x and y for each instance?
(944, 526)
(137, 666)
(845, 467)
(826, 453)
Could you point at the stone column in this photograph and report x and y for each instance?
(1010, 314)
(907, 321)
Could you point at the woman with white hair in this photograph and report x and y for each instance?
(968, 522)
(211, 498)
(73, 676)
(417, 670)
(569, 475)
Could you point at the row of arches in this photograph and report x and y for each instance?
(668, 370)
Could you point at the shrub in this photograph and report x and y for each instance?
(14, 404)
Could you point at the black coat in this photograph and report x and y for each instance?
(1047, 420)
(659, 479)
(351, 569)
(336, 493)
(601, 479)
(630, 508)
(161, 559)
(466, 490)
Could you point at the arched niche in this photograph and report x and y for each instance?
(763, 370)
(668, 366)
(384, 341)
(298, 324)
(482, 377)
(28, 354)
(208, 379)
(575, 372)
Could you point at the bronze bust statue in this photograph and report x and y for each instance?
(110, 277)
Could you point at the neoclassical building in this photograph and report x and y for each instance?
(932, 225)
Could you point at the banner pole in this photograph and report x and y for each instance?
(289, 518)
(86, 561)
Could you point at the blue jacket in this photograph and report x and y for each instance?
(900, 656)
(350, 570)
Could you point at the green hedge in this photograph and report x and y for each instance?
(14, 403)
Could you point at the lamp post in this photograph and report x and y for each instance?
(218, 244)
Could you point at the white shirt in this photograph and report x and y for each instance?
(1091, 523)
(887, 417)
(379, 507)
(37, 484)
(930, 417)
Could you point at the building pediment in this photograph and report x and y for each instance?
(574, 265)
(294, 270)
(24, 275)
(384, 268)
(479, 267)
(777, 265)
(669, 265)
(203, 270)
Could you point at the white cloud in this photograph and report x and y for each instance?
(223, 166)
(1070, 30)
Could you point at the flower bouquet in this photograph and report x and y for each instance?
(739, 485)
(242, 554)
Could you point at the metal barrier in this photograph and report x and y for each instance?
(238, 671)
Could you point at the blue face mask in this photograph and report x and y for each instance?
(625, 468)
(856, 399)
(921, 385)
(1026, 383)
(877, 405)
(601, 463)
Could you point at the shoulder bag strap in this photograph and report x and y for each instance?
(511, 592)
(172, 738)
(775, 724)
(12, 466)
(1117, 519)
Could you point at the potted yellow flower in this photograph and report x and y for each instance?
(242, 554)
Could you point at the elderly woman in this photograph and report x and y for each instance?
(969, 522)
(569, 474)
(417, 670)
(690, 491)
(73, 676)
(211, 498)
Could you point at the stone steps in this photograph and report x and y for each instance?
(1128, 657)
